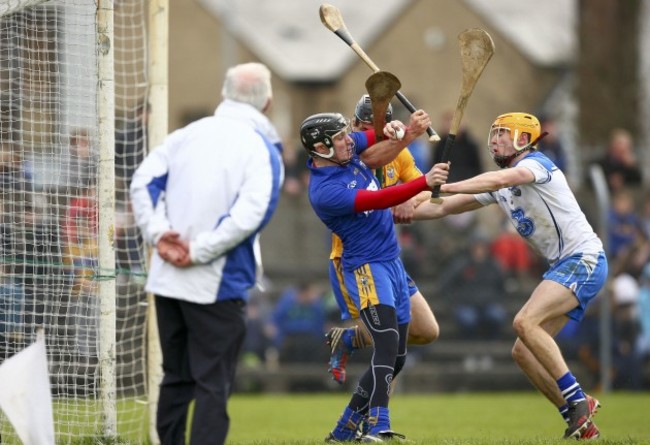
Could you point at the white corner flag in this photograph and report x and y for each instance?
(25, 395)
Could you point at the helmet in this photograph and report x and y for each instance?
(517, 124)
(322, 127)
(363, 110)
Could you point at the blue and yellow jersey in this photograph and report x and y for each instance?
(400, 169)
(368, 236)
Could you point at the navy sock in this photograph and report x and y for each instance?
(564, 409)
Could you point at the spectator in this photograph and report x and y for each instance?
(128, 241)
(12, 307)
(619, 163)
(644, 313)
(81, 250)
(16, 180)
(41, 259)
(296, 174)
(624, 224)
(130, 145)
(474, 286)
(588, 345)
(627, 361)
(299, 320)
(512, 253)
(645, 216)
(259, 332)
(465, 157)
(551, 144)
(80, 165)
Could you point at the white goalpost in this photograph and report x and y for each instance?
(75, 103)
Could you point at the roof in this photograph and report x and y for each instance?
(544, 31)
(289, 37)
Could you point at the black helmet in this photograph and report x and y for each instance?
(320, 128)
(363, 110)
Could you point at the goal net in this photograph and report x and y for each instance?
(73, 95)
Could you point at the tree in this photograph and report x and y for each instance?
(608, 87)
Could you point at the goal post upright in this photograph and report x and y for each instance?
(106, 204)
(158, 127)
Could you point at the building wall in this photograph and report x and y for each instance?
(430, 75)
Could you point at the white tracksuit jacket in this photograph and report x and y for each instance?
(217, 182)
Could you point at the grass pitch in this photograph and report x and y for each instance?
(523, 418)
(447, 419)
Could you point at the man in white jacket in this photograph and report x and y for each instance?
(202, 198)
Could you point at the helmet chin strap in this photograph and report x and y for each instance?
(329, 157)
(321, 155)
(504, 161)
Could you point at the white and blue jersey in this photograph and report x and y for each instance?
(547, 215)
(545, 212)
(217, 183)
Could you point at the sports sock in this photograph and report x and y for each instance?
(347, 425)
(378, 419)
(564, 409)
(359, 339)
(348, 338)
(570, 388)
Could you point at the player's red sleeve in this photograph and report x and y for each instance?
(388, 197)
(370, 135)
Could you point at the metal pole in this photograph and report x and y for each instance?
(602, 197)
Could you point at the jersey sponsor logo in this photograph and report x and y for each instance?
(352, 184)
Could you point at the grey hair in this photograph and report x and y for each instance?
(248, 83)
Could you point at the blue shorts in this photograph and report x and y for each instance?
(584, 274)
(378, 288)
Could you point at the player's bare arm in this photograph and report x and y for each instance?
(451, 205)
(491, 181)
(385, 151)
(403, 213)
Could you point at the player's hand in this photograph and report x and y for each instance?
(419, 123)
(173, 249)
(403, 213)
(438, 174)
(394, 130)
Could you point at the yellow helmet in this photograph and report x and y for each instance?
(518, 123)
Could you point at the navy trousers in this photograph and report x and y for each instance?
(200, 346)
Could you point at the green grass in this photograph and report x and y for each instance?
(523, 418)
(465, 419)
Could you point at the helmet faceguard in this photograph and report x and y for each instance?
(515, 124)
(363, 111)
(323, 128)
